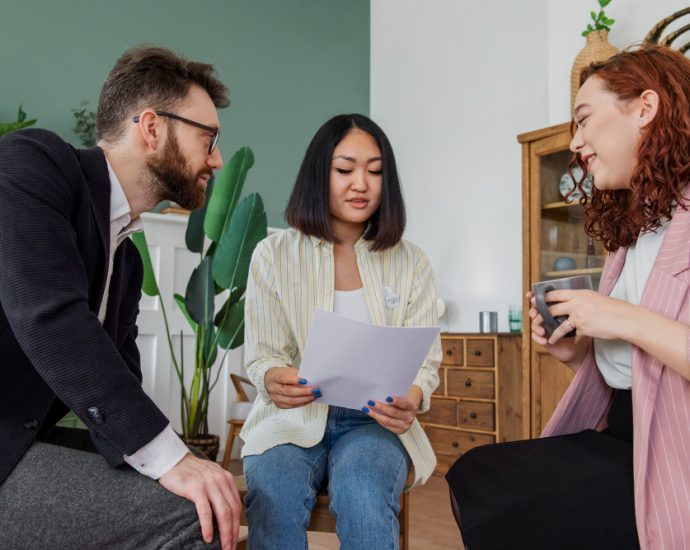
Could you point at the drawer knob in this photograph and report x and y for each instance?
(477, 353)
(473, 415)
(468, 383)
(449, 352)
(455, 444)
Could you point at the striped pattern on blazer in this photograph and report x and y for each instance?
(661, 400)
(291, 274)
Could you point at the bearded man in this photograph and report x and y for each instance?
(70, 283)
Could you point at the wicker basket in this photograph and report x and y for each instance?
(596, 49)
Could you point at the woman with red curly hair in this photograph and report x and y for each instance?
(612, 469)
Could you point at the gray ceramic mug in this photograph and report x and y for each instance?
(540, 289)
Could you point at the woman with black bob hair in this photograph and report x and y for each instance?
(308, 209)
(343, 253)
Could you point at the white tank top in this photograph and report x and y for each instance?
(614, 357)
(351, 304)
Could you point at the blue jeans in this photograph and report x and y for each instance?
(364, 466)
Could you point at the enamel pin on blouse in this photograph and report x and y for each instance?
(390, 298)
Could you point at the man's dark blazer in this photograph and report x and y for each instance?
(54, 353)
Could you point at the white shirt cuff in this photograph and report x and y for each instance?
(159, 455)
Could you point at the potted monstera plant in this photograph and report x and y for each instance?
(224, 233)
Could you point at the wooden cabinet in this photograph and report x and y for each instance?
(479, 399)
(554, 245)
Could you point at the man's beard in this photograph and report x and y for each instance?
(171, 179)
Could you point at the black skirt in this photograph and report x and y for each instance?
(571, 491)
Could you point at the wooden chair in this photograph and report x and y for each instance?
(238, 414)
(322, 520)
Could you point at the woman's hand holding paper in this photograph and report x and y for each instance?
(287, 389)
(397, 413)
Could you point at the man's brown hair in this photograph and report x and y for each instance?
(149, 76)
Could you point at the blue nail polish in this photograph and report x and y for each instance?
(316, 391)
(364, 409)
(302, 381)
(371, 403)
(317, 395)
(389, 399)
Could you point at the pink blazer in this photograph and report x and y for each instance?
(661, 400)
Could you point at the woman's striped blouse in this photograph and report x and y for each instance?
(291, 275)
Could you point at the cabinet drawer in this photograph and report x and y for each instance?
(478, 416)
(442, 411)
(470, 383)
(455, 442)
(480, 353)
(452, 351)
(441, 390)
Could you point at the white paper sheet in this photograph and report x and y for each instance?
(353, 362)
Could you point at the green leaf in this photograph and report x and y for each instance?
(183, 308)
(585, 33)
(210, 348)
(604, 3)
(234, 297)
(194, 237)
(246, 228)
(6, 128)
(21, 122)
(210, 252)
(594, 16)
(212, 248)
(609, 22)
(149, 286)
(231, 332)
(199, 295)
(227, 193)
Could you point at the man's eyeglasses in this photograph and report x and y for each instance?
(210, 129)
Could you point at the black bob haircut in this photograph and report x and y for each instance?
(308, 210)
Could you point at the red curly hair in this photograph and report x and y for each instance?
(663, 159)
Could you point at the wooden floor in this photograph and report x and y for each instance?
(432, 526)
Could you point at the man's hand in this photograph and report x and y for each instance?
(212, 490)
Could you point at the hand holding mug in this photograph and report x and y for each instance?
(593, 314)
(556, 332)
(567, 350)
(542, 288)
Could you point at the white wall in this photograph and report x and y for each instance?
(452, 84)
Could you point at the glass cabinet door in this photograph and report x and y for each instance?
(554, 246)
(565, 250)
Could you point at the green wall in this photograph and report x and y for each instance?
(289, 64)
